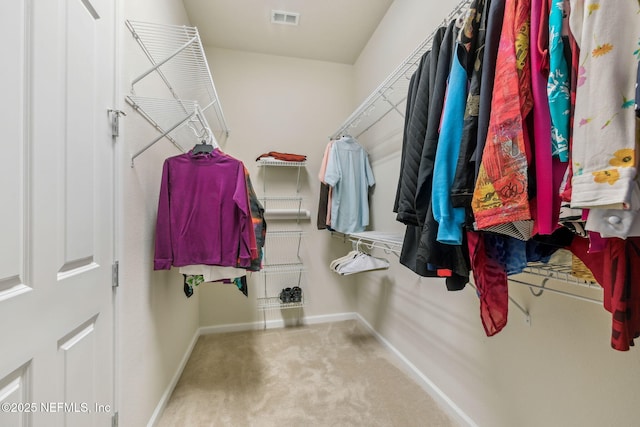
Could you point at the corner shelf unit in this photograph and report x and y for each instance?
(282, 207)
(290, 275)
(283, 266)
(190, 108)
(265, 163)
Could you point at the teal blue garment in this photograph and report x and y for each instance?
(449, 219)
(558, 85)
(349, 173)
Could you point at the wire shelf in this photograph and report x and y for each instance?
(282, 248)
(282, 163)
(280, 269)
(392, 92)
(558, 272)
(177, 58)
(389, 242)
(284, 208)
(274, 303)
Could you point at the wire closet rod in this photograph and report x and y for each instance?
(406, 67)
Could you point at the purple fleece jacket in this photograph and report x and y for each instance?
(203, 212)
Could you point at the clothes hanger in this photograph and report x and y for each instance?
(202, 147)
(205, 146)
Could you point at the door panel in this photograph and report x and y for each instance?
(12, 84)
(56, 171)
(14, 391)
(78, 196)
(76, 365)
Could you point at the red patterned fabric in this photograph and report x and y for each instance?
(501, 192)
(491, 285)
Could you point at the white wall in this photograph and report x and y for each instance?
(290, 105)
(560, 371)
(156, 321)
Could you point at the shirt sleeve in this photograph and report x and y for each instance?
(163, 257)
(369, 172)
(241, 199)
(253, 247)
(325, 160)
(333, 174)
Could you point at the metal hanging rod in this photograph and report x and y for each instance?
(392, 243)
(392, 92)
(388, 242)
(543, 288)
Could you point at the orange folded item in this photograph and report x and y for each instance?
(287, 157)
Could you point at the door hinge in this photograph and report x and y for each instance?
(115, 121)
(114, 420)
(115, 274)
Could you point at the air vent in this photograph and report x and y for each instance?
(285, 18)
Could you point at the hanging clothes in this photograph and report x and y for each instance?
(617, 270)
(432, 255)
(549, 170)
(501, 195)
(604, 149)
(324, 202)
(490, 279)
(458, 129)
(194, 275)
(450, 219)
(558, 83)
(349, 174)
(411, 95)
(421, 136)
(473, 41)
(204, 215)
(535, 75)
(492, 41)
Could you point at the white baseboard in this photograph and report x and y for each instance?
(174, 380)
(434, 391)
(447, 405)
(279, 323)
(236, 327)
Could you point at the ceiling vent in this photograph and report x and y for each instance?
(286, 18)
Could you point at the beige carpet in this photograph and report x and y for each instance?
(333, 374)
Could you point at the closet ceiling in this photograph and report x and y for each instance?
(328, 30)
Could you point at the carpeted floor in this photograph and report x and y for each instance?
(333, 374)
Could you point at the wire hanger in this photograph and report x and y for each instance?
(207, 140)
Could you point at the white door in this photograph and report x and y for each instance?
(56, 213)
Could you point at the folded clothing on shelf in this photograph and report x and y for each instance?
(287, 157)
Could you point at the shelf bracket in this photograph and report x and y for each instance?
(393, 106)
(175, 52)
(158, 138)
